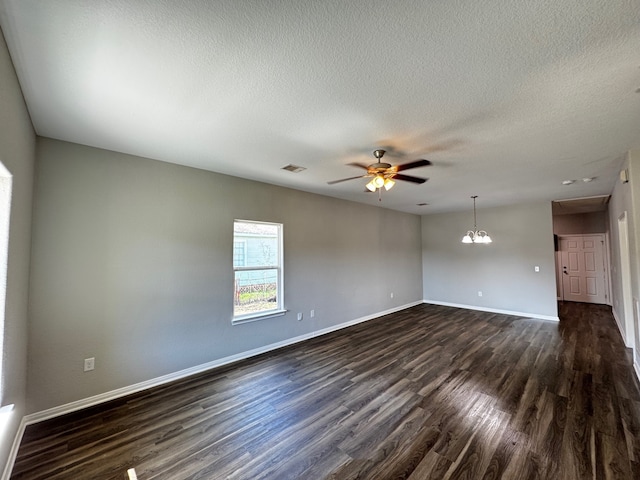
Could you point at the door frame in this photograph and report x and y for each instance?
(625, 278)
(605, 260)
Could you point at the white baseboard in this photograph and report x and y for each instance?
(13, 453)
(495, 310)
(618, 324)
(154, 382)
(636, 367)
(620, 328)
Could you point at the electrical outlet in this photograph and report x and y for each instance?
(479, 293)
(536, 268)
(312, 313)
(300, 316)
(391, 294)
(89, 364)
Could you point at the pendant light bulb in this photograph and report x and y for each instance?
(388, 183)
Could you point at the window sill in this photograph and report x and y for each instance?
(257, 316)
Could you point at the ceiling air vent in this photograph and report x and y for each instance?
(293, 168)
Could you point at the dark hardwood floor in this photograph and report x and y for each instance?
(427, 393)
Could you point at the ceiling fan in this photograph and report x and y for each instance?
(384, 174)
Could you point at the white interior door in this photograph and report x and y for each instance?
(583, 269)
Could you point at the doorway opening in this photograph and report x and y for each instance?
(581, 234)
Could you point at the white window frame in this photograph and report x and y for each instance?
(279, 268)
(6, 186)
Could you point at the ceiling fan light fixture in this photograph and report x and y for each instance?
(382, 174)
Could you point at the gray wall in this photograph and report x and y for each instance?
(625, 198)
(581, 223)
(17, 153)
(522, 235)
(132, 264)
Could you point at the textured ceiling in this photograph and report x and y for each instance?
(506, 98)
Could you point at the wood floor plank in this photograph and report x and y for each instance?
(430, 392)
(478, 454)
(505, 461)
(432, 467)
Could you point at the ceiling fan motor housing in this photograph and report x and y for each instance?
(379, 153)
(380, 166)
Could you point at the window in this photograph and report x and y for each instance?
(239, 252)
(257, 266)
(6, 181)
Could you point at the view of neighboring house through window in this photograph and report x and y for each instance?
(257, 265)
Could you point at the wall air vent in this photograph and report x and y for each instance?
(293, 168)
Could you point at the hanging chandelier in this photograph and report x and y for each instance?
(475, 235)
